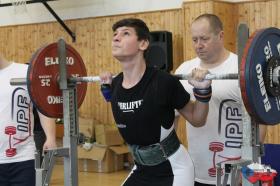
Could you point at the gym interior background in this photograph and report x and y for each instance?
(19, 41)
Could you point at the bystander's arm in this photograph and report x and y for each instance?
(49, 127)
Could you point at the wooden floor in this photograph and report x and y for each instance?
(90, 179)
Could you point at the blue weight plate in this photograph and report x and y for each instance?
(261, 46)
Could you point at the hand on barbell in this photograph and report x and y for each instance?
(106, 81)
(197, 79)
(106, 78)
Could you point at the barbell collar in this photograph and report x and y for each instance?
(18, 81)
(276, 76)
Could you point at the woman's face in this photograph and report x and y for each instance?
(125, 43)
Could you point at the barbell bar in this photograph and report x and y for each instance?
(92, 79)
(258, 76)
(179, 76)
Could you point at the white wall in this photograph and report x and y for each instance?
(72, 9)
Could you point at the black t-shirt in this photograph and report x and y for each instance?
(142, 110)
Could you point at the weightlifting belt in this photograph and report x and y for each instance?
(156, 153)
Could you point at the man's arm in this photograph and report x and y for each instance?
(49, 128)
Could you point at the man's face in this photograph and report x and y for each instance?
(205, 42)
(125, 43)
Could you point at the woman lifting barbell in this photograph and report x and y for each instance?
(143, 101)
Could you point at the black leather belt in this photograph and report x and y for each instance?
(156, 153)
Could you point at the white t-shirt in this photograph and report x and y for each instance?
(219, 140)
(16, 117)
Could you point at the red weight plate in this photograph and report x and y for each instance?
(242, 73)
(42, 79)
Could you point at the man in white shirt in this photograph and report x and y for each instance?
(17, 147)
(220, 139)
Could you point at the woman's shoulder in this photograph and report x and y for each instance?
(163, 76)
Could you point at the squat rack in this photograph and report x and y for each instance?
(71, 132)
(251, 147)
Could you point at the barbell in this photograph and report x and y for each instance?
(259, 77)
